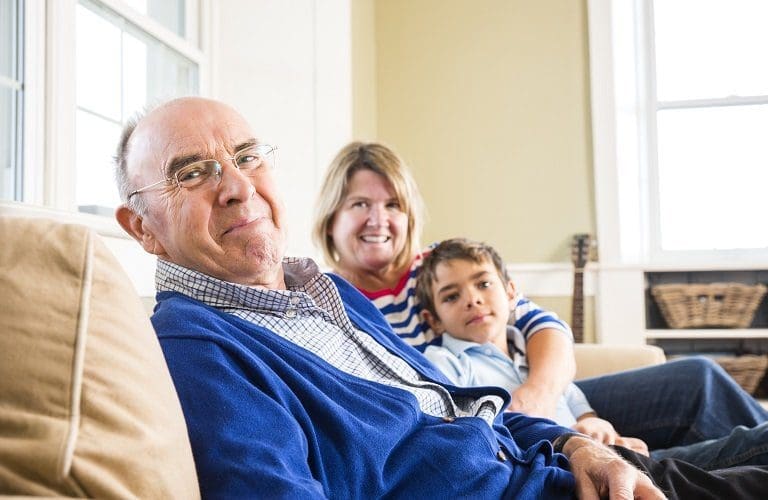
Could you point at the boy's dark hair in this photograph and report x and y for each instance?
(452, 249)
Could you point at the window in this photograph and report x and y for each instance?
(170, 13)
(710, 94)
(120, 69)
(11, 99)
(63, 107)
(679, 110)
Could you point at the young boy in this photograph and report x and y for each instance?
(467, 296)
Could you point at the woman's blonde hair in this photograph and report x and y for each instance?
(382, 160)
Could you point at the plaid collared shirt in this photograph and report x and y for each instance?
(310, 313)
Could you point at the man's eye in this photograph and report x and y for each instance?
(248, 160)
(191, 174)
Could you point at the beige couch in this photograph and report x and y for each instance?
(600, 359)
(87, 406)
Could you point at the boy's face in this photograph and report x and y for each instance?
(472, 301)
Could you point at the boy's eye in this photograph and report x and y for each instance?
(451, 297)
(484, 284)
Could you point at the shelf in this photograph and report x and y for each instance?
(725, 333)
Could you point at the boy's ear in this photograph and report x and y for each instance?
(511, 292)
(433, 321)
(133, 224)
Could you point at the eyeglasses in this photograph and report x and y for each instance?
(248, 160)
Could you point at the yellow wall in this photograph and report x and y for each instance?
(563, 307)
(488, 101)
(364, 103)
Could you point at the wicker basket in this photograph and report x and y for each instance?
(730, 305)
(746, 370)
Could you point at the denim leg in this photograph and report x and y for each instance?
(679, 402)
(743, 446)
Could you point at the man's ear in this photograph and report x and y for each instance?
(433, 321)
(133, 224)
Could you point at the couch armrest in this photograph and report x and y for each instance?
(600, 359)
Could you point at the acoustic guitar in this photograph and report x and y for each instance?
(580, 249)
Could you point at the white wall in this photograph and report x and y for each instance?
(286, 65)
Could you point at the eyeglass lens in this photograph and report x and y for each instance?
(248, 160)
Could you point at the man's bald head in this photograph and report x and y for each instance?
(229, 225)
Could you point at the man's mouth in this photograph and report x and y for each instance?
(242, 223)
(370, 238)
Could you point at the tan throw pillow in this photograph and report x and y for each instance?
(87, 406)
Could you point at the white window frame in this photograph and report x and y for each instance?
(624, 142)
(15, 83)
(50, 94)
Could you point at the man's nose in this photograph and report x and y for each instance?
(234, 185)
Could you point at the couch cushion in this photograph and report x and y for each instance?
(87, 406)
(594, 360)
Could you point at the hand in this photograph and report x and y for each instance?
(602, 431)
(534, 401)
(598, 429)
(602, 473)
(634, 444)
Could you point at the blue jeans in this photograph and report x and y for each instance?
(743, 446)
(678, 403)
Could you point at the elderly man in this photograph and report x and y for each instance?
(293, 384)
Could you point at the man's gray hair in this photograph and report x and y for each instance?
(124, 185)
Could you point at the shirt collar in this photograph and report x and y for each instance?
(458, 346)
(299, 274)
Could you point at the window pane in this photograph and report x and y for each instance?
(152, 72)
(170, 13)
(10, 100)
(96, 143)
(135, 59)
(713, 169)
(8, 37)
(710, 49)
(8, 164)
(98, 64)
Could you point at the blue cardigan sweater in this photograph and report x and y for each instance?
(268, 418)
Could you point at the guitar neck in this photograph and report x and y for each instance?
(577, 306)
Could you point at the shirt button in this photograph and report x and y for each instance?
(294, 300)
(290, 313)
(501, 456)
(448, 420)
